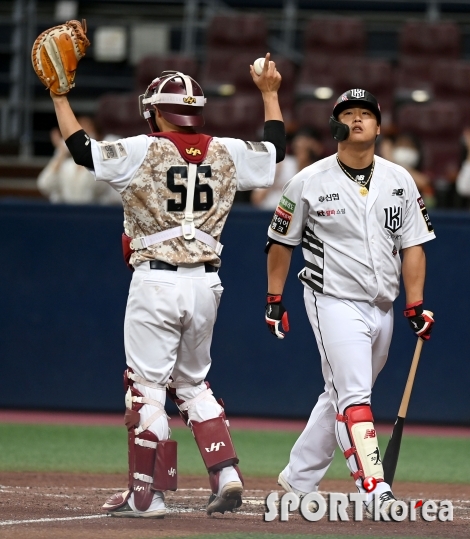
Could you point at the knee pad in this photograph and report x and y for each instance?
(363, 438)
(152, 463)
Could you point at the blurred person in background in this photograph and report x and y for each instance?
(462, 182)
(307, 148)
(62, 181)
(405, 150)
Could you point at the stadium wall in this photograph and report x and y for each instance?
(64, 289)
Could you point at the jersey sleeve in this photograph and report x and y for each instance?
(417, 226)
(255, 162)
(290, 216)
(117, 162)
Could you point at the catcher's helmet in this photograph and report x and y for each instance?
(351, 98)
(178, 97)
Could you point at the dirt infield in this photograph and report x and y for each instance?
(58, 505)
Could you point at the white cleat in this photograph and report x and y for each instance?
(386, 500)
(282, 482)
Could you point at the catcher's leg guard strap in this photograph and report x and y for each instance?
(152, 463)
(215, 443)
(363, 437)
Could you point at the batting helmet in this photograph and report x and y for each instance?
(178, 97)
(352, 98)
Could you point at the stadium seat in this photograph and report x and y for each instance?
(451, 79)
(242, 31)
(312, 113)
(238, 116)
(430, 39)
(438, 125)
(335, 36)
(151, 66)
(118, 114)
(413, 74)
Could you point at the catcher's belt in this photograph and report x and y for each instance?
(56, 53)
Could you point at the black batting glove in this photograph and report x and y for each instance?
(275, 314)
(420, 321)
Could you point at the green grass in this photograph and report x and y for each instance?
(265, 453)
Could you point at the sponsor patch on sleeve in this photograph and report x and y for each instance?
(424, 213)
(283, 216)
(112, 150)
(256, 146)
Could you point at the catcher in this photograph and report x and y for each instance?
(177, 188)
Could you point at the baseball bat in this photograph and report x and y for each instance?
(392, 452)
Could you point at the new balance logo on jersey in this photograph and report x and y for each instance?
(214, 447)
(358, 94)
(360, 178)
(193, 151)
(370, 433)
(139, 487)
(172, 472)
(189, 100)
(397, 192)
(393, 218)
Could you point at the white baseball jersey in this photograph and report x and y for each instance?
(351, 242)
(151, 177)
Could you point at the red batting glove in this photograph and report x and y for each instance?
(421, 322)
(275, 314)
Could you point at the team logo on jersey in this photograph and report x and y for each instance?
(424, 213)
(393, 218)
(358, 94)
(398, 192)
(112, 150)
(189, 100)
(193, 151)
(283, 216)
(329, 198)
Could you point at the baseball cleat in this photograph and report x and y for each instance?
(230, 498)
(118, 506)
(386, 500)
(282, 482)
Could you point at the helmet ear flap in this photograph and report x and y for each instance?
(339, 131)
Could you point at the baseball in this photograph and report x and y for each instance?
(258, 66)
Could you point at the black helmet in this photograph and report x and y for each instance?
(177, 96)
(349, 99)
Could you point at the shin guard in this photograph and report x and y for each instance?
(363, 437)
(152, 463)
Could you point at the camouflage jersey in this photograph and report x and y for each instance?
(151, 176)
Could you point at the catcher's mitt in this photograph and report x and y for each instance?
(56, 53)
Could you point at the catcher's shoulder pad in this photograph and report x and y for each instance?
(56, 53)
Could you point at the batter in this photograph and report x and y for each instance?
(177, 188)
(354, 213)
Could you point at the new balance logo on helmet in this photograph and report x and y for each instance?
(358, 94)
(172, 472)
(193, 151)
(370, 433)
(214, 446)
(189, 100)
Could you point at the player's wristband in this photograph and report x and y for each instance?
(413, 309)
(273, 298)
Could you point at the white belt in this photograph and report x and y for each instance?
(178, 231)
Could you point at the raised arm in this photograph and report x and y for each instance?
(268, 83)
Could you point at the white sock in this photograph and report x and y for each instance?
(158, 502)
(227, 475)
